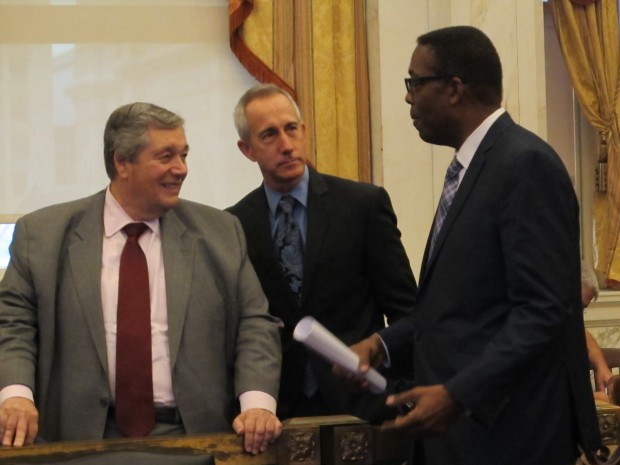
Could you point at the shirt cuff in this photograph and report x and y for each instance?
(255, 399)
(15, 390)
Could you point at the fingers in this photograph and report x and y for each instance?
(404, 401)
(21, 432)
(598, 395)
(408, 422)
(355, 380)
(434, 410)
(238, 425)
(371, 353)
(9, 434)
(252, 437)
(259, 428)
(18, 422)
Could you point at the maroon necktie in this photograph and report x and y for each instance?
(134, 409)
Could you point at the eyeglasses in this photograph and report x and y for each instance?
(416, 81)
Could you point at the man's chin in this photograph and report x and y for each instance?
(172, 202)
(168, 203)
(292, 170)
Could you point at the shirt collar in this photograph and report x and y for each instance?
(115, 218)
(471, 144)
(299, 192)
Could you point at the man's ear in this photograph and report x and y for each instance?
(245, 149)
(120, 163)
(457, 89)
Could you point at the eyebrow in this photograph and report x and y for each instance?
(170, 148)
(268, 129)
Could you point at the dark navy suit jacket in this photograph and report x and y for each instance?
(498, 319)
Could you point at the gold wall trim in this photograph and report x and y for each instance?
(363, 93)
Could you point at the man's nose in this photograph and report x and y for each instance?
(286, 143)
(179, 167)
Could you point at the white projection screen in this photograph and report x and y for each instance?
(66, 65)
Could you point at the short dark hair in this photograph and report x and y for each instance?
(126, 131)
(468, 53)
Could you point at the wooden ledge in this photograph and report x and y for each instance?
(334, 440)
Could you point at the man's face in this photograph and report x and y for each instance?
(429, 100)
(150, 186)
(277, 141)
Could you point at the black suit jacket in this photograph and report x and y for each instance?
(355, 272)
(498, 319)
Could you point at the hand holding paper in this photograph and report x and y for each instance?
(315, 336)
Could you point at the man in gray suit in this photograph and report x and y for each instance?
(213, 341)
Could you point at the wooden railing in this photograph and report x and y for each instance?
(334, 440)
(337, 440)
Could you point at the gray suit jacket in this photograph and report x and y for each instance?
(222, 341)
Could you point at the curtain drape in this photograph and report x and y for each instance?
(589, 40)
(317, 50)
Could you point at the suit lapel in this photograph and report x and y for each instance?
(178, 253)
(318, 215)
(84, 251)
(462, 193)
(258, 222)
(467, 184)
(262, 251)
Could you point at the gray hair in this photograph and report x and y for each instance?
(125, 132)
(256, 92)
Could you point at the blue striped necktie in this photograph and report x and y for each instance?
(289, 244)
(450, 186)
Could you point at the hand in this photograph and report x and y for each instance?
(602, 375)
(434, 410)
(19, 422)
(259, 427)
(371, 353)
(601, 395)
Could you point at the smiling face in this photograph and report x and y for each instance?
(276, 141)
(149, 186)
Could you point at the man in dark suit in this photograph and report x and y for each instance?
(354, 271)
(212, 342)
(500, 360)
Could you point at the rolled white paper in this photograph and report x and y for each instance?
(315, 336)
